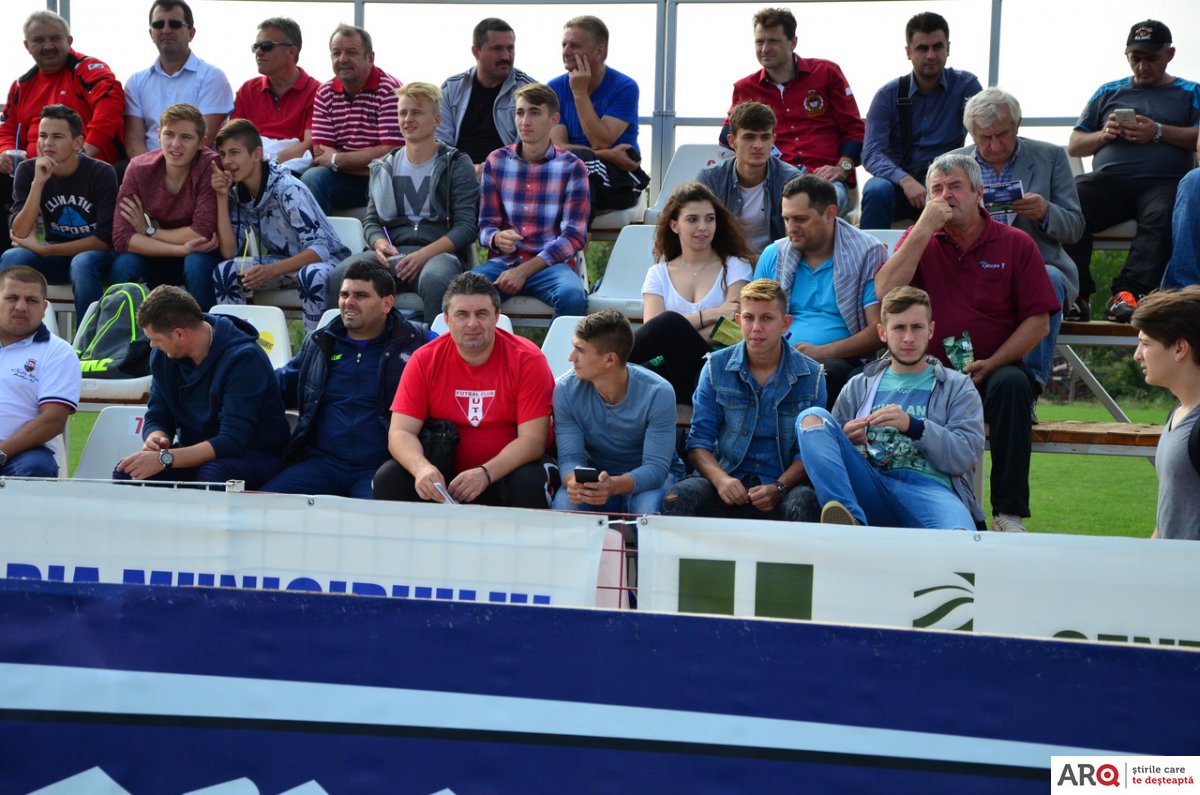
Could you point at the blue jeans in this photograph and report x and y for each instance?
(883, 203)
(316, 473)
(309, 282)
(558, 286)
(195, 271)
(36, 463)
(87, 272)
(334, 189)
(643, 503)
(1184, 266)
(843, 197)
(1041, 358)
(895, 498)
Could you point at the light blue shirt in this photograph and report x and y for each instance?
(812, 302)
(148, 93)
(635, 437)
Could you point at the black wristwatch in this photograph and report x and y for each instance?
(783, 487)
(166, 458)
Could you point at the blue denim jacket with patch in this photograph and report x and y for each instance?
(728, 405)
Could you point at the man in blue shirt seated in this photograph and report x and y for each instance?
(1141, 134)
(913, 119)
(343, 381)
(615, 418)
(827, 269)
(599, 116)
(214, 413)
(919, 423)
(743, 435)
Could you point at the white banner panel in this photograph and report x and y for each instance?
(1036, 585)
(103, 532)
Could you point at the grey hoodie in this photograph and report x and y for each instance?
(953, 436)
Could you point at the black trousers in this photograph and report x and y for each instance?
(530, 485)
(683, 349)
(1107, 199)
(1007, 400)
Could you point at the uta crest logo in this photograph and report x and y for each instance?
(474, 403)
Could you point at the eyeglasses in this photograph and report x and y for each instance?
(174, 24)
(267, 46)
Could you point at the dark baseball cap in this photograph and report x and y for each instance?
(1150, 35)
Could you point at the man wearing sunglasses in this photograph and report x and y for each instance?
(279, 103)
(177, 76)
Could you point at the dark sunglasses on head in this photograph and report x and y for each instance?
(175, 24)
(267, 46)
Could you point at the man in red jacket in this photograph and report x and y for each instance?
(61, 77)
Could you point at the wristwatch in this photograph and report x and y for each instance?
(783, 487)
(333, 166)
(166, 458)
(150, 227)
(847, 166)
(3, 458)
(1157, 139)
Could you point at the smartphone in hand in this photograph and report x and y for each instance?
(587, 475)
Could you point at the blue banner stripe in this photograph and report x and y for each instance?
(155, 697)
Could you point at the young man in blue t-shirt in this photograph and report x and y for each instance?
(919, 424)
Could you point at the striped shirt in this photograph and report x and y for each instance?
(367, 119)
(547, 202)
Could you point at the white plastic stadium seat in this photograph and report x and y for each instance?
(116, 434)
(350, 230)
(439, 327)
(64, 296)
(272, 327)
(557, 345)
(110, 390)
(60, 444)
(327, 317)
(888, 237)
(621, 287)
(687, 162)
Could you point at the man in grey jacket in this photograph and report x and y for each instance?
(479, 105)
(422, 208)
(1048, 210)
(751, 183)
(920, 425)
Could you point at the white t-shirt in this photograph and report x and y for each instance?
(754, 215)
(33, 373)
(658, 282)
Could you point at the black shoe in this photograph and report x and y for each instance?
(1079, 311)
(1121, 307)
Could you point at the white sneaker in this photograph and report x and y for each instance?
(1007, 523)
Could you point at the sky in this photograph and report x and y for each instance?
(1054, 53)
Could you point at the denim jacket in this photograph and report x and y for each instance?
(727, 407)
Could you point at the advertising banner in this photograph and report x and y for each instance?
(101, 532)
(134, 690)
(1038, 585)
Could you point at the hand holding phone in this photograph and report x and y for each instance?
(587, 475)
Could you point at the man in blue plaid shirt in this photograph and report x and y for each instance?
(533, 210)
